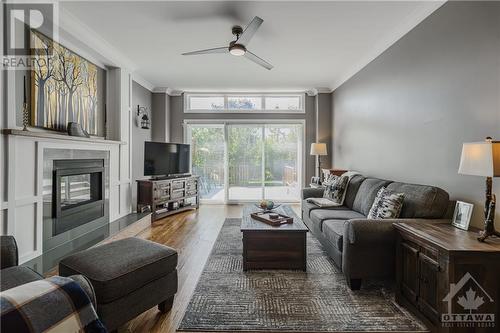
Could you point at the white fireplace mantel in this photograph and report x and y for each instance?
(58, 136)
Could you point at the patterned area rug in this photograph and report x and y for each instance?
(227, 299)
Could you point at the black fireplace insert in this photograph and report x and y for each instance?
(77, 193)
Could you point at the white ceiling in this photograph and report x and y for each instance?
(311, 44)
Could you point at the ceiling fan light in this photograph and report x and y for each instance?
(237, 50)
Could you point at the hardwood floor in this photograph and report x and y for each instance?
(193, 234)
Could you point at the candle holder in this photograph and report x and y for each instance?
(26, 116)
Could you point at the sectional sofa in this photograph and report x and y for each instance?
(365, 248)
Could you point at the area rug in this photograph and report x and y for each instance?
(227, 299)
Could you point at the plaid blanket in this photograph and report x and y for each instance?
(56, 304)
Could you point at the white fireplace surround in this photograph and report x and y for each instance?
(25, 184)
(21, 162)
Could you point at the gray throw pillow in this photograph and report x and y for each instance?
(387, 205)
(336, 190)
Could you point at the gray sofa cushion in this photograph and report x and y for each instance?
(17, 275)
(352, 190)
(320, 215)
(308, 207)
(333, 230)
(118, 268)
(366, 194)
(421, 201)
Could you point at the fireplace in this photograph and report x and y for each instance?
(78, 191)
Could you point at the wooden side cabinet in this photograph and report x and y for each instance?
(164, 197)
(446, 277)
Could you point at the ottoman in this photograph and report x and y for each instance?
(129, 276)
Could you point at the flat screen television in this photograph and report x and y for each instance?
(166, 159)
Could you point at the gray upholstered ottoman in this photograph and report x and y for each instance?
(129, 276)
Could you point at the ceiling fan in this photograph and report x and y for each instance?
(238, 47)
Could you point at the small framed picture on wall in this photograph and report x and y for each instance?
(462, 215)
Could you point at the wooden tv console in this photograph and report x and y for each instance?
(168, 196)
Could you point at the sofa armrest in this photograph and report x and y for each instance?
(362, 231)
(8, 252)
(369, 247)
(310, 192)
(85, 284)
(365, 231)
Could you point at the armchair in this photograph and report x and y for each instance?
(14, 275)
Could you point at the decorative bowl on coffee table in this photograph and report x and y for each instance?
(267, 205)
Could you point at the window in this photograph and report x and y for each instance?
(283, 103)
(206, 103)
(243, 103)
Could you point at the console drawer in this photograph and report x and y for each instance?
(177, 194)
(177, 184)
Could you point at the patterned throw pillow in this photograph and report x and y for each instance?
(329, 179)
(336, 189)
(387, 205)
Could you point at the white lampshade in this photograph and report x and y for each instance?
(318, 149)
(480, 159)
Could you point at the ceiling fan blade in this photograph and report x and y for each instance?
(250, 30)
(250, 56)
(209, 51)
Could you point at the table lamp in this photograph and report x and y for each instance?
(483, 159)
(318, 149)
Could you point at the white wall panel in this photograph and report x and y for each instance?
(25, 155)
(26, 232)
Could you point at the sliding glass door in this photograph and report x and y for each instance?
(245, 147)
(247, 162)
(207, 159)
(282, 146)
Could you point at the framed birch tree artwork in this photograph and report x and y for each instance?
(64, 87)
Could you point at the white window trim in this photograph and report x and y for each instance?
(301, 109)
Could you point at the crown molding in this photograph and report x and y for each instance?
(324, 90)
(312, 92)
(320, 90)
(142, 81)
(168, 91)
(174, 92)
(160, 90)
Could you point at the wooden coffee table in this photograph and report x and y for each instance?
(268, 247)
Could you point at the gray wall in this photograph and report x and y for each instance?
(405, 116)
(143, 97)
(325, 126)
(161, 115)
(177, 117)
